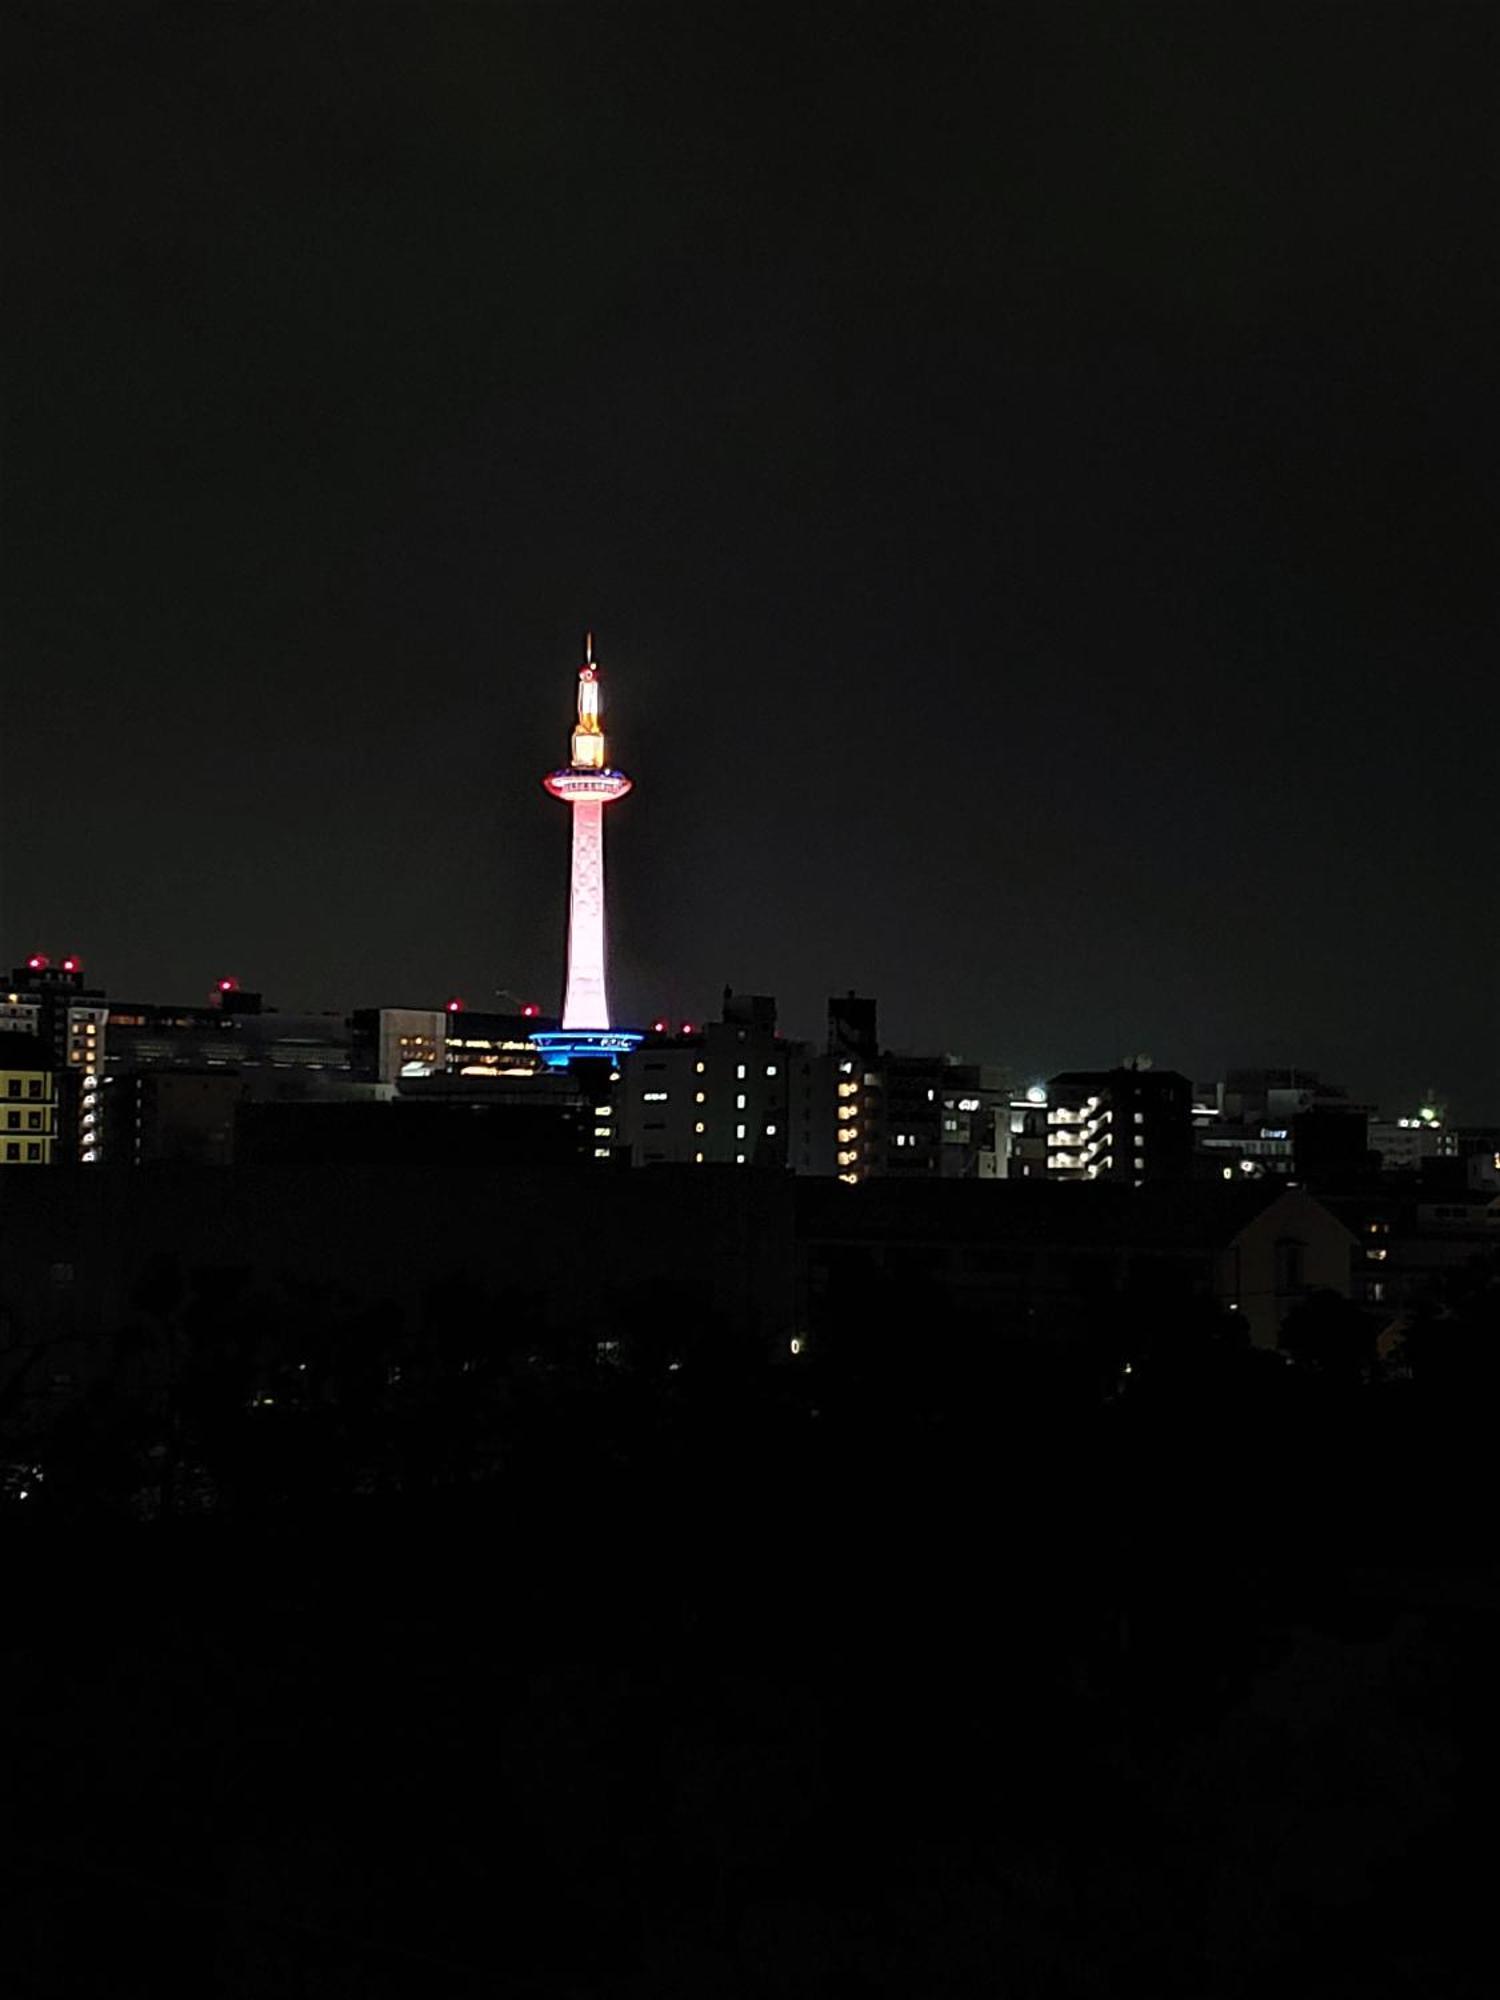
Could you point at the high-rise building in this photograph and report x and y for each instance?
(1132, 1124)
(51, 1002)
(715, 1094)
(586, 785)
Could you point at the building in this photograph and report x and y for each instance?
(1281, 1254)
(174, 1117)
(1020, 1148)
(485, 1046)
(390, 1042)
(1416, 1236)
(1406, 1145)
(1132, 1124)
(586, 785)
(51, 1002)
(1031, 1258)
(716, 1094)
(736, 1092)
(1278, 1123)
(29, 1100)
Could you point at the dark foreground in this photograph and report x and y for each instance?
(866, 1702)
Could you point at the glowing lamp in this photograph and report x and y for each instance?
(228, 985)
(687, 1027)
(454, 1007)
(36, 962)
(70, 965)
(658, 1027)
(530, 1011)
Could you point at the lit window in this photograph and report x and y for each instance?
(1377, 1256)
(739, 1131)
(739, 1102)
(699, 1126)
(701, 1097)
(1140, 1118)
(698, 1159)
(698, 1067)
(770, 1069)
(739, 1159)
(653, 1097)
(740, 1070)
(770, 1131)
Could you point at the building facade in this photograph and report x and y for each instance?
(29, 1096)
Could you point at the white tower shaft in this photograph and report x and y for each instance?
(586, 1002)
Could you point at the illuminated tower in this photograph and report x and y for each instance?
(587, 785)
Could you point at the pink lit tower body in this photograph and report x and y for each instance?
(586, 785)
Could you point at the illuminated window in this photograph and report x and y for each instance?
(698, 1159)
(740, 1070)
(701, 1097)
(653, 1097)
(698, 1067)
(739, 1131)
(770, 1131)
(770, 1069)
(739, 1159)
(699, 1126)
(739, 1102)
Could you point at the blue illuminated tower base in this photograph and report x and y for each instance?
(558, 1047)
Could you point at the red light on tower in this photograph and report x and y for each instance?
(71, 965)
(37, 963)
(229, 986)
(658, 1027)
(454, 1007)
(530, 1011)
(687, 1027)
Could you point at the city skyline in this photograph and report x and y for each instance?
(1070, 622)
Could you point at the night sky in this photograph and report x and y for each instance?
(1030, 470)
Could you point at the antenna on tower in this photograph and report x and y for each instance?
(588, 648)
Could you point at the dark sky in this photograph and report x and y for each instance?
(1031, 470)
